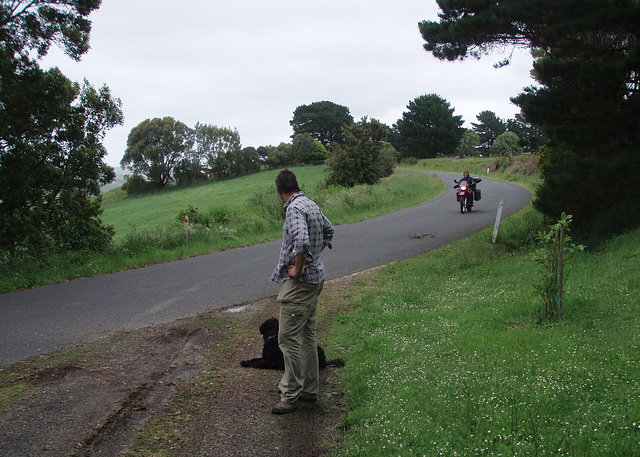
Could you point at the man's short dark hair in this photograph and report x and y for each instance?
(286, 182)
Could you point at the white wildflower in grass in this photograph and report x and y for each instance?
(448, 360)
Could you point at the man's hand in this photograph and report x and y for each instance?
(296, 270)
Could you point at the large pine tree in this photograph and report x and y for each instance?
(428, 128)
(587, 62)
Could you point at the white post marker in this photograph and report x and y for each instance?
(497, 224)
(186, 227)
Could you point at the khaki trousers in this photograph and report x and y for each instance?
(297, 339)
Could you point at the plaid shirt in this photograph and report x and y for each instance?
(305, 229)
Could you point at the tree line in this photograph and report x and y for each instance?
(163, 151)
(584, 117)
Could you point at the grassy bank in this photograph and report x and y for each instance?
(224, 215)
(446, 357)
(158, 209)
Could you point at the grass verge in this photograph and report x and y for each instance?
(445, 355)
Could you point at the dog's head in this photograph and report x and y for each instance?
(269, 327)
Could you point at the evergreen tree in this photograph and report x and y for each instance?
(489, 127)
(468, 144)
(531, 137)
(322, 120)
(507, 144)
(427, 129)
(587, 64)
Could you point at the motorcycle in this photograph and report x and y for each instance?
(467, 193)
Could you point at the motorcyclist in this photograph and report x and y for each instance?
(469, 179)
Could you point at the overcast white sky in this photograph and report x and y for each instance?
(248, 64)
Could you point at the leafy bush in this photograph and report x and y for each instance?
(215, 215)
(507, 144)
(411, 160)
(365, 158)
(136, 184)
(518, 232)
(266, 204)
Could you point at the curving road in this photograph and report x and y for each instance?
(61, 316)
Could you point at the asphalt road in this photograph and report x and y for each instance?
(62, 316)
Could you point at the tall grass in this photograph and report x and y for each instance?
(224, 215)
(445, 356)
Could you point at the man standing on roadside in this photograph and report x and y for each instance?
(306, 232)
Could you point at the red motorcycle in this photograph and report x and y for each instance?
(467, 193)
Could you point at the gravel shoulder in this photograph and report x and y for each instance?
(174, 390)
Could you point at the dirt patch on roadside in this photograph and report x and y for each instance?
(175, 390)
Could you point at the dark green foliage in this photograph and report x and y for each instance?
(136, 184)
(51, 130)
(468, 144)
(531, 137)
(427, 129)
(244, 162)
(51, 162)
(322, 120)
(587, 102)
(489, 127)
(275, 157)
(307, 150)
(188, 172)
(598, 191)
(365, 157)
(33, 26)
(220, 149)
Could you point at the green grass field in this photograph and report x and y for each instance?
(446, 356)
(156, 209)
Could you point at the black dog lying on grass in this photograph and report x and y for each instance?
(272, 357)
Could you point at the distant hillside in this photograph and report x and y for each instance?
(117, 182)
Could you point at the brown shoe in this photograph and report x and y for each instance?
(284, 408)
